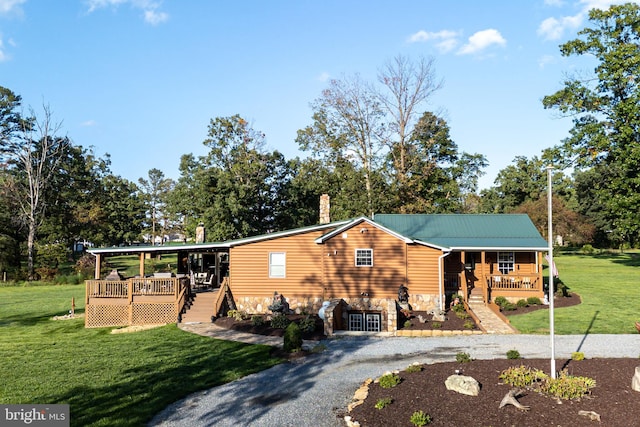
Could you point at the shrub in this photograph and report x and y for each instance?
(414, 368)
(407, 323)
(436, 325)
(238, 315)
(534, 301)
(509, 307)
(500, 301)
(280, 321)
(522, 303)
(463, 357)
(385, 401)
(522, 376)
(577, 356)
(389, 380)
(257, 320)
(587, 249)
(292, 338)
(86, 265)
(469, 324)
(307, 325)
(462, 314)
(513, 354)
(567, 386)
(419, 419)
(458, 308)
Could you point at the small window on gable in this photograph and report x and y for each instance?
(277, 265)
(364, 257)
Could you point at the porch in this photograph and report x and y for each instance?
(135, 301)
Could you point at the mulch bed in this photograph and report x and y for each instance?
(266, 329)
(612, 398)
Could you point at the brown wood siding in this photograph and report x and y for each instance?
(524, 263)
(249, 267)
(422, 266)
(343, 279)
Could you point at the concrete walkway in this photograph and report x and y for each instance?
(316, 390)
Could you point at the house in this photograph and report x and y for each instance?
(358, 266)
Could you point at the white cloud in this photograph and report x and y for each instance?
(445, 40)
(88, 123)
(554, 28)
(546, 59)
(8, 6)
(150, 8)
(481, 41)
(324, 76)
(555, 3)
(3, 56)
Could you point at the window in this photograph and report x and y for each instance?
(505, 262)
(369, 322)
(364, 257)
(277, 264)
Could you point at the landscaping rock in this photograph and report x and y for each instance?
(463, 384)
(635, 381)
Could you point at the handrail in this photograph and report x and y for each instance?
(512, 282)
(107, 288)
(217, 303)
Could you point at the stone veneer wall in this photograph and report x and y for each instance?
(260, 305)
(423, 302)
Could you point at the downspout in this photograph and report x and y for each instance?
(441, 278)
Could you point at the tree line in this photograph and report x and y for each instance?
(373, 146)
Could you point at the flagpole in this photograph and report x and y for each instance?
(551, 284)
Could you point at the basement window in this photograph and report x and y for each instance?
(367, 322)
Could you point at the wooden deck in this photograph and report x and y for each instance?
(135, 301)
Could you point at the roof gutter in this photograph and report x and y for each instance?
(441, 278)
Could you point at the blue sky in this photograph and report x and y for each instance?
(141, 79)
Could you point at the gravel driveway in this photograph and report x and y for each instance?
(315, 391)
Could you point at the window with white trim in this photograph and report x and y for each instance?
(505, 262)
(364, 257)
(368, 322)
(277, 265)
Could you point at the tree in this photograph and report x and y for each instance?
(32, 153)
(605, 106)
(154, 193)
(406, 86)
(348, 124)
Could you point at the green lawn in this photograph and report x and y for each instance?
(608, 286)
(108, 379)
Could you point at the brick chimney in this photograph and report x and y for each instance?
(324, 209)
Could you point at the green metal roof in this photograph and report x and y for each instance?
(460, 231)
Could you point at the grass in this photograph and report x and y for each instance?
(607, 284)
(107, 379)
(129, 265)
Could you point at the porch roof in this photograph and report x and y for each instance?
(467, 231)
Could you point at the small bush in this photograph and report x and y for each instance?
(587, 249)
(513, 354)
(382, 403)
(280, 321)
(463, 357)
(458, 308)
(292, 338)
(522, 303)
(419, 419)
(509, 307)
(238, 315)
(462, 314)
(407, 323)
(436, 325)
(414, 368)
(389, 380)
(307, 325)
(534, 301)
(469, 324)
(522, 376)
(577, 356)
(500, 301)
(257, 320)
(567, 386)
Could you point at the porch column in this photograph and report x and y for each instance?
(485, 284)
(141, 264)
(96, 274)
(462, 276)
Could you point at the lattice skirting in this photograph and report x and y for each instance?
(99, 316)
(153, 313)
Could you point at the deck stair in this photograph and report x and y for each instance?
(202, 307)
